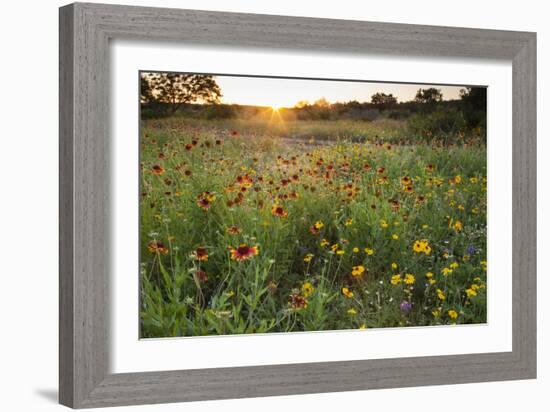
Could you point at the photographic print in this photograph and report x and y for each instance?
(297, 205)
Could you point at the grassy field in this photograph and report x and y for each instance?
(252, 228)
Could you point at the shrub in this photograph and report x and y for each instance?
(443, 125)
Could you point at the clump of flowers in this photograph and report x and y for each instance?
(205, 200)
(422, 246)
(244, 252)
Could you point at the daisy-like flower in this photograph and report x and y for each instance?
(452, 314)
(316, 227)
(205, 199)
(307, 289)
(201, 276)
(297, 302)
(156, 246)
(308, 257)
(405, 306)
(244, 252)
(440, 294)
(409, 279)
(233, 230)
(348, 222)
(347, 293)
(157, 170)
(244, 181)
(352, 312)
(279, 211)
(324, 243)
(200, 254)
(358, 271)
(457, 226)
(395, 279)
(471, 292)
(369, 251)
(394, 265)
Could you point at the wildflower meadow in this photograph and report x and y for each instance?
(274, 223)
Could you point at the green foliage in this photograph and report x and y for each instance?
(441, 126)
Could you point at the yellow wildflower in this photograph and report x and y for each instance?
(471, 292)
(347, 293)
(307, 289)
(357, 271)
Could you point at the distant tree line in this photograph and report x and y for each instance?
(167, 94)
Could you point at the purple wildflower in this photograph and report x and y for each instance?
(405, 306)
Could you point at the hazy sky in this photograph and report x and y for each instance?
(287, 92)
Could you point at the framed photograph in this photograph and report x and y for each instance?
(256, 205)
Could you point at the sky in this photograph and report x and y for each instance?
(262, 91)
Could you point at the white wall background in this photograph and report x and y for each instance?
(28, 204)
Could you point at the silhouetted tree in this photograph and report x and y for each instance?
(474, 102)
(145, 92)
(176, 89)
(428, 96)
(383, 100)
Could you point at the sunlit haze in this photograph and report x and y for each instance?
(260, 91)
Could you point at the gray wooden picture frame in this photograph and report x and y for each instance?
(85, 32)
